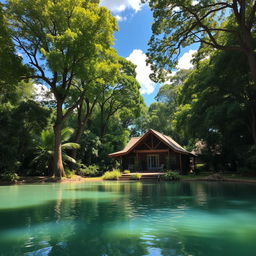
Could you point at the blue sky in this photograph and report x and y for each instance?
(132, 38)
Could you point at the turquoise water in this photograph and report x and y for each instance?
(112, 218)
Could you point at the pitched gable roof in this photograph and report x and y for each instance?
(165, 139)
(127, 148)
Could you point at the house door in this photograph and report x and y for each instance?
(153, 162)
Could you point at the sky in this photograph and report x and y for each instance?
(131, 41)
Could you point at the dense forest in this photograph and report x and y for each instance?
(67, 99)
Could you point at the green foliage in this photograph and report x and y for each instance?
(126, 171)
(89, 171)
(112, 175)
(135, 176)
(170, 175)
(180, 23)
(19, 126)
(68, 44)
(10, 177)
(69, 173)
(11, 67)
(201, 168)
(223, 131)
(45, 147)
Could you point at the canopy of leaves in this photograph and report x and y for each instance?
(179, 23)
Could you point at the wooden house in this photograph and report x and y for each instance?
(154, 151)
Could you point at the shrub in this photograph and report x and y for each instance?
(126, 171)
(135, 176)
(170, 175)
(112, 175)
(90, 170)
(69, 173)
(201, 168)
(11, 177)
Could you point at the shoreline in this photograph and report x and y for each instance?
(238, 180)
(40, 180)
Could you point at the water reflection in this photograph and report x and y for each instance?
(131, 219)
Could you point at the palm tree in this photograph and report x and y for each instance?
(44, 154)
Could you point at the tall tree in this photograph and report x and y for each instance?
(122, 95)
(179, 23)
(215, 108)
(11, 67)
(106, 71)
(61, 41)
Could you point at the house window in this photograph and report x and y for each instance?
(153, 161)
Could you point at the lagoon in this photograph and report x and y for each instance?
(128, 218)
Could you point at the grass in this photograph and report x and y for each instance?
(226, 176)
(112, 175)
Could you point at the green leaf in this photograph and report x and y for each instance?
(70, 145)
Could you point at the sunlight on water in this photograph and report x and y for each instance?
(29, 195)
(112, 218)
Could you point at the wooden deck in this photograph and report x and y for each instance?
(144, 176)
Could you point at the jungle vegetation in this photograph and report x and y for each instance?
(91, 103)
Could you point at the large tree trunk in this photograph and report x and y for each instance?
(78, 136)
(249, 46)
(58, 168)
(57, 157)
(82, 122)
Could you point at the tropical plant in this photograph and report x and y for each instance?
(126, 171)
(112, 175)
(171, 175)
(90, 170)
(46, 145)
(135, 176)
(69, 173)
(10, 177)
(62, 41)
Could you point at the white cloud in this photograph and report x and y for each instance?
(194, 2)
(121, 5)
(42, 93)
(185, 61)
(120, 18)
(20, 54)
(143, 71)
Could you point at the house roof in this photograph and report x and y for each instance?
(165, 139)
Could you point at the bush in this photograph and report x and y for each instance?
(135, 176)
(112, 175)
(90, 170)
(126, 171)
(69, 173)
(170, 175)
(11, 177)
(201, 168)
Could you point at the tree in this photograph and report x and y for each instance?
(179, 23)
(45, 148)
(106, 71)
(215, 109)
(11, 67)
(20, 124)
(121, 96)
(160, 115)
(61, 40)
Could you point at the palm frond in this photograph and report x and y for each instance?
(65, 157)
(66, 133)
(70, 145)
